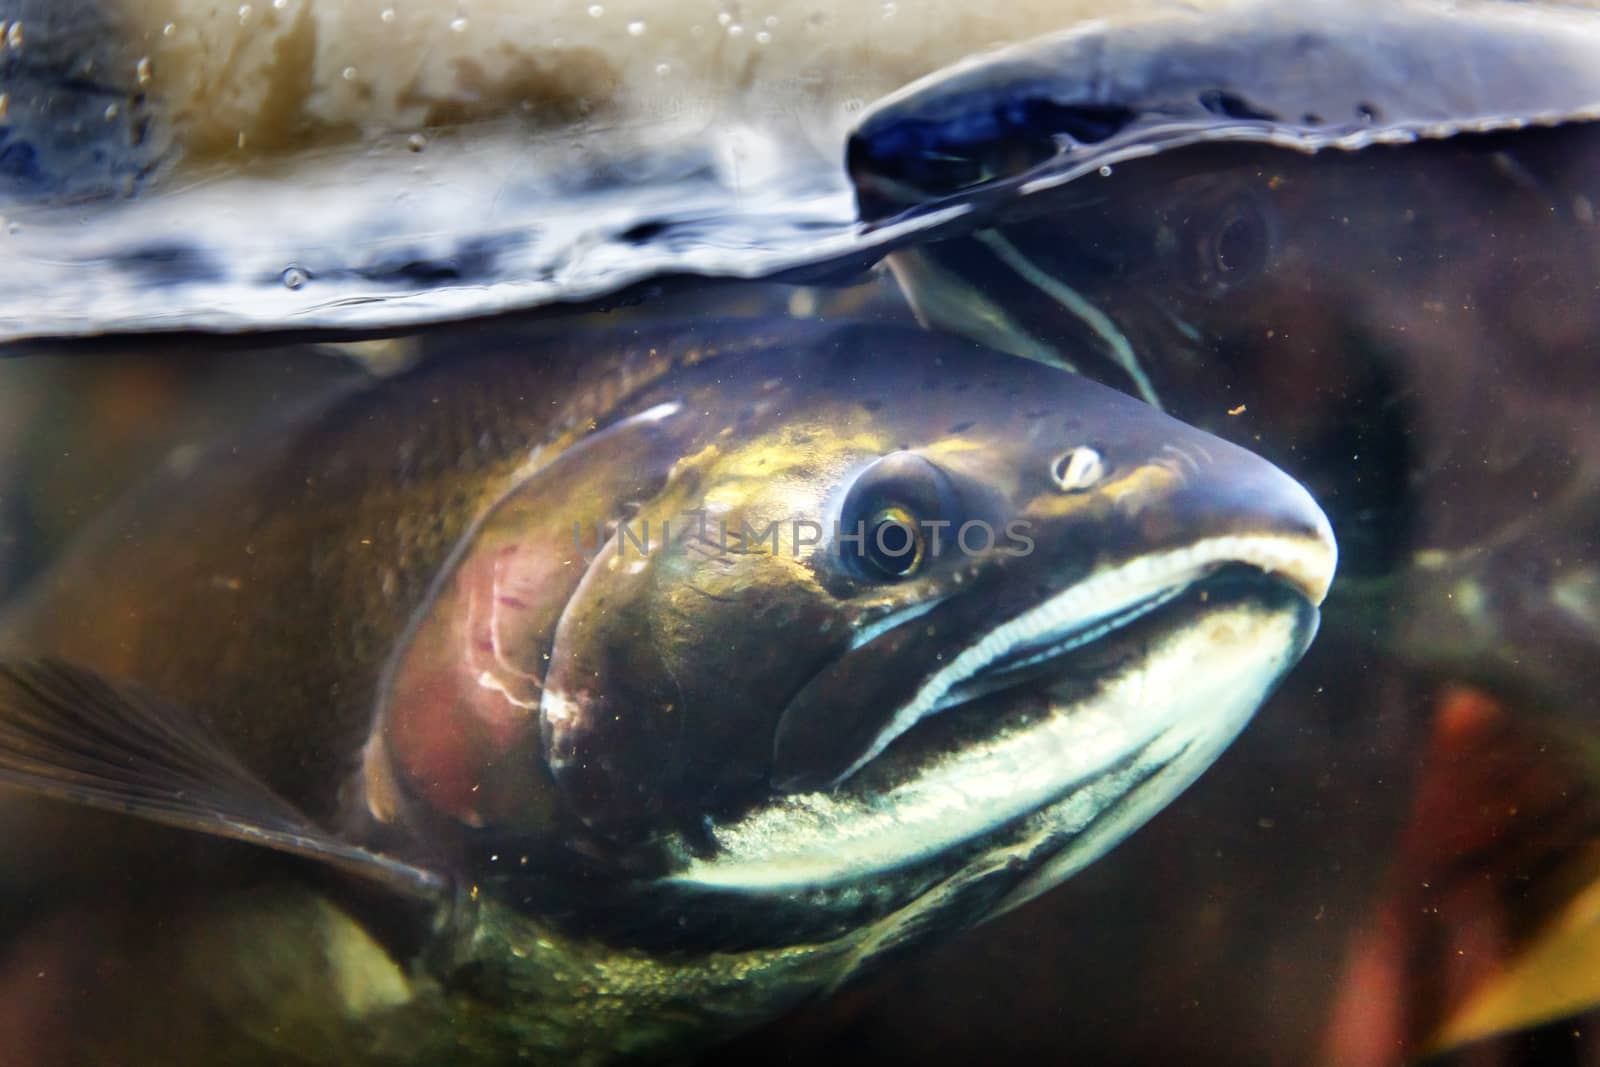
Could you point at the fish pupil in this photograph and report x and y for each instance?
(1236, 251)
(894, 547)
(1239, 245)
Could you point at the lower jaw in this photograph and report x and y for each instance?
(1071, 769)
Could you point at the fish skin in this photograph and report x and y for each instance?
(158, 595)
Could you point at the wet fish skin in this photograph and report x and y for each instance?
(267, 596)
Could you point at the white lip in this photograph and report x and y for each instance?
(1307, 563)
(1124, 752)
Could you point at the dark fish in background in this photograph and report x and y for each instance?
(1362, 240)
(1408, 329)
(520, 787)
(1381, 276)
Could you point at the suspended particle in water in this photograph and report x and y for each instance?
(636, 29)
(142, 71)
(458, 24)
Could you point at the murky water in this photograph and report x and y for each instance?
(1395, 860)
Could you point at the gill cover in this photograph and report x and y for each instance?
(458, 727)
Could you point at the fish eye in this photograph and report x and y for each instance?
(895, 546)
(1240, 246)
(885, 523)
(1230, 243)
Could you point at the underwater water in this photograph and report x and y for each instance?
(273, 790)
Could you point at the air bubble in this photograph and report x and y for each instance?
(349, 74)
(142, 71)
(112, 111)
(458, 24)
(295, 277)
(763, 37)
(14, 36)
(636, 29)
(416, 142)
(387, 14)
(244, 12)
(596, 10)
(1105, 171)
(663, 69)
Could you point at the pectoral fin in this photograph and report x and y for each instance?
(67, 732)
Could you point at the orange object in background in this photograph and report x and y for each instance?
(1499, 846)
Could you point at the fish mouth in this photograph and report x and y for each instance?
(1039, 641)
(1042, 745)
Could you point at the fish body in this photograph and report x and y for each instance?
(428, 757)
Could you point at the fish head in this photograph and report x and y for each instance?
(912, 613)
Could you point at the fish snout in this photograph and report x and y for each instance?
(1238, 507)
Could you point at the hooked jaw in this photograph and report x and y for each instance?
(1049, 730)
(1103, 604)
(1163, 529)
